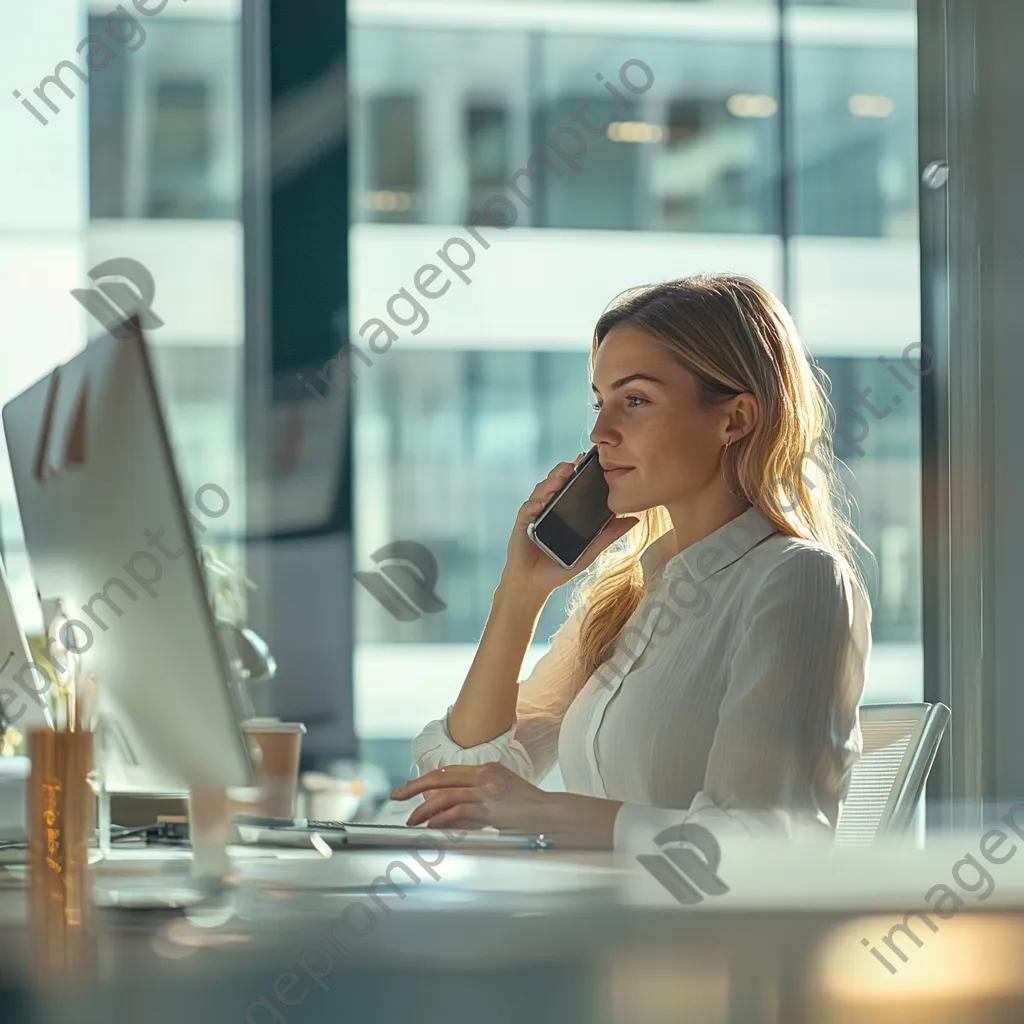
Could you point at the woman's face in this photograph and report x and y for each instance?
(651, 423)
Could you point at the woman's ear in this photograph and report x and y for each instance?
(743, 415)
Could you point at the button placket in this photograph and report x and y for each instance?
(608, 689)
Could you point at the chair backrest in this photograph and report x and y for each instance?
(900, 744)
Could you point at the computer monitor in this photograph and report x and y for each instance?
(108, 534)
(24, 705)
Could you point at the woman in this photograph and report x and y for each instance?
(711, 668)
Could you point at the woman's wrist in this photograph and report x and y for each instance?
(580, 821)
(511, 593)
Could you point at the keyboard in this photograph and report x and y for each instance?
(340, 834)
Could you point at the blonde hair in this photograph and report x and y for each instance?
(733, 336)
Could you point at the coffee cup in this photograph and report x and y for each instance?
(276, 747)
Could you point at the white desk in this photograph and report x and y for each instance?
(539, 936)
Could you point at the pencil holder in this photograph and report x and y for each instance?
(60, 810)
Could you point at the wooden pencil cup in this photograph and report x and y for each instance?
(60, 809)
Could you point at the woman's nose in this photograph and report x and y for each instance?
(602, 430)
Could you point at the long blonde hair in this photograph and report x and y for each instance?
(733, 336)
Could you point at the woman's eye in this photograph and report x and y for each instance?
(596, 406)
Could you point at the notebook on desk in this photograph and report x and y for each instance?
(340, 835)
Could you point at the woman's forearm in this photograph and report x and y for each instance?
(486, 705)
(581, 822)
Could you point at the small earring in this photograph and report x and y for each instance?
(725, 452)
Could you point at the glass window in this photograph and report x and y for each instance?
(436, 117)
(149, 162)
(856, 139)
(165, 124)
(181, 144)
(855, 263)
(165, 145)
(471, 433)
(711, 172)
(456, 425)
(394, 126)
(894, 5)
(694, 149)
(488, 156)
(878, 440)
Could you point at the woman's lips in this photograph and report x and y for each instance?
(614, 474)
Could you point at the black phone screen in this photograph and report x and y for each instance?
(578, 515)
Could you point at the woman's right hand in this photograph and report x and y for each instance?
(529, 569)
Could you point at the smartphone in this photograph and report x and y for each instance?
(575, 516)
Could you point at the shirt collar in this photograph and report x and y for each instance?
(713, 552)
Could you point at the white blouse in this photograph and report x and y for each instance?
(732, 692)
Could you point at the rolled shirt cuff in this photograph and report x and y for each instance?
(434, 748)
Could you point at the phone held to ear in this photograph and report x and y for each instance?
(574, 517)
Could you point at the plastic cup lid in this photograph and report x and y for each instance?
(272, 725)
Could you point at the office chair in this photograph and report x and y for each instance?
(900, 744)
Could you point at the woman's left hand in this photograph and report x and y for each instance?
(475, 796)
(478, 795)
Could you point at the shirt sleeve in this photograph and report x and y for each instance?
(530, 746)
(788, 730)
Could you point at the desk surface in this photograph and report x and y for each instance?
(539, 935)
